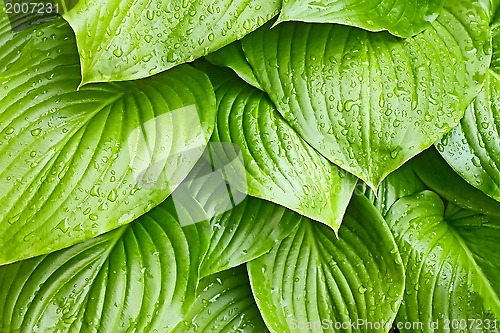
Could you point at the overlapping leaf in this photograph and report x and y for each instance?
(141, 277)
(142, 38)
(224, 304)
(495, 29)
(246, 232)
(76, 164)
(473, 147)
(403, 18)
(451, 268)
(370, 101)
(438, 176)
(398, 184)
(239, 228)
(281, 167)
(314, 281)
(232, 56)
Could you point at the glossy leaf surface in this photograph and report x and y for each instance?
(370, 101)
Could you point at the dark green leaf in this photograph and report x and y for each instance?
(438, 176)
(224, 305)
(246, 232)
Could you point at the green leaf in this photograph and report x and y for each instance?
(446, 281)
(224, 304)
(314, 278)
(472, 148)
(403, 18)
(239, 228)
(139, 278)
(370, 101)
(281, 167)
(398, 184)
(75, 164)
(232, 56)
(142, 38)
(438, 176)
(246, 232)
(495, 61)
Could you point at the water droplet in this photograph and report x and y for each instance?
(14, 219)
(63, 226)
(113, 195)
(93, 217)
(148, 38)
(118, 52)
(348, 105)
(36, 132)
(395, 152)
(9, 130)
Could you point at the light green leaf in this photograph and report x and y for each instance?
(224, 305)
(76, 164)
(142, 38)
(313, 279)
(403, 18)
(232, 56)
(281, 167)
(446, 282)
(370, 101)
(139, 278)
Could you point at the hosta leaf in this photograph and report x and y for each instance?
(246, 232)
(473, 147)
(75, 164)
(446, 279)
(232, 56)
(314, 278)
(139, 278)
(239, 228)
(224, 304)
(438, 176)
(398, 184)
(402, 18)
(11, 47)
(370, 101)
(142, 38)
(281, 167)
(492, 7)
